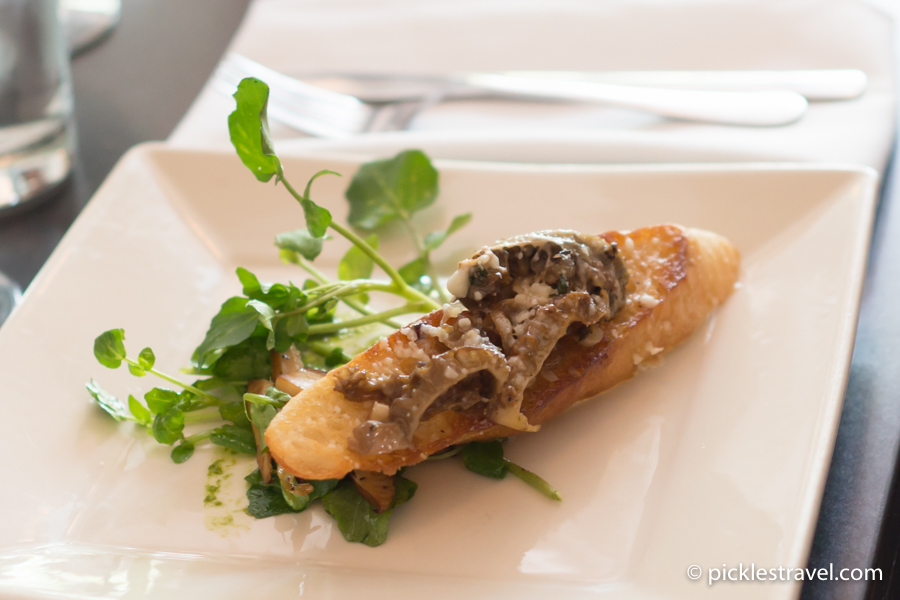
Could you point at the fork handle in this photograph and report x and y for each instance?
(759, 108)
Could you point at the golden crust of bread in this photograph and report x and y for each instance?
(677, 277)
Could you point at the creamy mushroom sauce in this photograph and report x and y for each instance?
(515, 301)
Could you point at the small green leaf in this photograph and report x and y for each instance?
(269, 500)
(295, 325)
(159, 400)
(404, 490)
(485, 458)
(182, 452)
(356, 518)
(235, 412)
(147, 359)
(261, 415)
(336, 358)
(236, 438)
(244, 361)
(301, 242)
(317, 218)
(265, 500)
(168, 425)
(234, 323)
(136, 370)
(413, 271)
(356, 264)
(109, 348)
(276, 295)
(249, 281)
(140, 412)
(108, 402)
(273, 397)
(434, 239)
(390, 189)
(249, 130)
(266, 314)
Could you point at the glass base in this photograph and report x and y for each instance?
(86, 22)
(29, 173)
(10, 294)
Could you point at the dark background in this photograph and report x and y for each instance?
(136, 85)
(132, 87)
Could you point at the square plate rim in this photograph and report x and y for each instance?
(847, 326)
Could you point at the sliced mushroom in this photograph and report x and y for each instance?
(426, 385)
(296, 381)
(263, 459)
(288, 361)
(528, 350)
(563, 260)
(377, 488)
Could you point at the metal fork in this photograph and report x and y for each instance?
(328, 113)
(315, 110)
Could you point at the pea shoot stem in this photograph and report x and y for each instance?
(401, 288)
(534, 480)
(172, 380)
(367, 320)
(354, 304)
(198, 437)
(426, 259)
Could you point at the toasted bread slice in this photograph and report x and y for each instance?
(677, 276)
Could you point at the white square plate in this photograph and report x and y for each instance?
(716, 456)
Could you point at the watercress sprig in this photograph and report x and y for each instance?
(385, 191)
(249, 130)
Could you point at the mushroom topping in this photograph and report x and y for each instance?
(516, 300)
(426, 386)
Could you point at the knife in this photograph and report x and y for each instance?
(814, 84)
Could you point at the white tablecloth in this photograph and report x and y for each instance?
(438, 36)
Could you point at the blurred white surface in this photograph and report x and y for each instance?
(442, 35)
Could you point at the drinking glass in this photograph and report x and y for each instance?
(36, 134)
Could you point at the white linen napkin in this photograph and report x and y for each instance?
(439, 36)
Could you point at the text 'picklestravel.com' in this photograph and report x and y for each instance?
(750, 572)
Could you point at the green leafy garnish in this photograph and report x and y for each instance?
(249, 330)
(301, 242)
(182, 452)
(244, 361)
(317, 218)
(265, 500)
(262, 409)
(486, 458)
(234, 323)
(434, 239)
(239, 439)
(249, 129)
(236, 413)
(112, 405)
(168, 425)
(146, 359)
(393, 189)
(140, 413)
(356, 518)
(160, 399)
(109, 348)
(270, 500)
